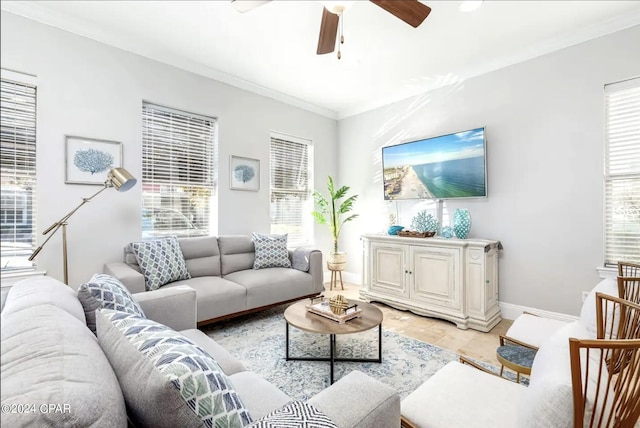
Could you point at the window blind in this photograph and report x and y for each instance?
(290, 185)
(622, 172)
(18, 173)
(179, 152)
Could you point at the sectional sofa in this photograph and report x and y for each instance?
(222, 273)
(56, 373)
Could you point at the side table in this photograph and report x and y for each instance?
(334, 279)
(517, 358)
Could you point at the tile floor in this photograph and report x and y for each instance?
(472, 343)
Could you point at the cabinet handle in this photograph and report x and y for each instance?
(406, 271)
(410, 273)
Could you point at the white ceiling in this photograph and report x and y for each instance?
(271, 50)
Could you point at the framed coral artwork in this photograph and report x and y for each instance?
(245, 174)
(88, 161)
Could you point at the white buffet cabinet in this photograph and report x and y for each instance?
(452, 279)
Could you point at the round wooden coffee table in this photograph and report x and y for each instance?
(298, 316)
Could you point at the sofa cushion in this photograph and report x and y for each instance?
(49, 357)
(167, 380)
(260, 396)
(295, 414)
(161, 261)
(227, 362)
(483, 400)
(43, 290)
(105, 291)
(271, 251)
(274, 285)
(237, 252)
(548, 400)
(202, 255)
(215, 296)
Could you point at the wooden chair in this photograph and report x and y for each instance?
(628, 269)
(601, 397)
(629, 288)
(605, 372)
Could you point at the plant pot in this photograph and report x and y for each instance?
(337, 261)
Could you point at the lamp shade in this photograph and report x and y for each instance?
(121, 179)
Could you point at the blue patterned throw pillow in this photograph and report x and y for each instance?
(271, 251)
(166, 379)
(161, 261)
(295, 414)
(105, 291)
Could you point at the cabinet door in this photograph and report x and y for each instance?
(435, 276)
(388, 269)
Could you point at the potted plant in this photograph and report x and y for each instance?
(332, 211)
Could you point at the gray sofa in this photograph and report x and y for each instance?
(55, 373)
(222, 274)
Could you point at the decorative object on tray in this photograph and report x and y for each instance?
(424, 222)
(447, 232)
(325, 307)
(461, 222)
(393, 230)
(338, 304)
(414, 234)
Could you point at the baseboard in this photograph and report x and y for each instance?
(510, 312)
(350, 277)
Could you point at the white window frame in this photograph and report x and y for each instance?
(179, 169)
(300, 230)
(18, 244)
(622, 172)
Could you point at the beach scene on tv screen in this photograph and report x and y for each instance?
(449, 166)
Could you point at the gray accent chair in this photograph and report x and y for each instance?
(223, 277)
(50, 357)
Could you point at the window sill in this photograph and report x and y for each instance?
(607, 272)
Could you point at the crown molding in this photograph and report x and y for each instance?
(38, 11)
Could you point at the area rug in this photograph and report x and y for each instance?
(258, 340)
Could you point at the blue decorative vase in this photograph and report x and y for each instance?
(461, 222)
(393, 230)
(447, 232)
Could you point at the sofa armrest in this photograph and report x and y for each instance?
(359, 401)
(174, 307)
(131, 278)
(316, 270)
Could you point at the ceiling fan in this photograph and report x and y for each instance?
(410, 11)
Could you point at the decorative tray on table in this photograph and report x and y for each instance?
(320, 306)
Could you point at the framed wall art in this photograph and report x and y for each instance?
(245, 173)
(88, 161)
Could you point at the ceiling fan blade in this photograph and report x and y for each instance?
(328, 32)
(410, 11)
(243, 6)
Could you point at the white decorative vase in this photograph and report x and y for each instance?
(337, 261)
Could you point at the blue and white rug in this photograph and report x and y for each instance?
(258, 340)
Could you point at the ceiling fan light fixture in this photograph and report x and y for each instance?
(337, 7)
(470, 5)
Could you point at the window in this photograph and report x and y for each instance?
(179, 152)
(622, 172)
(18, 170)
(291, 183)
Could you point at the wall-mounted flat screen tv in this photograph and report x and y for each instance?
(445, 167)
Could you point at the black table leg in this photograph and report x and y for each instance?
(332, 353)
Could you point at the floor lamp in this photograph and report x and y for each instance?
(118, 178)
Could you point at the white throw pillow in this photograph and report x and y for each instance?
(588, 312)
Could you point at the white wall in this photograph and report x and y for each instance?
(545, 126)
(92, 90)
